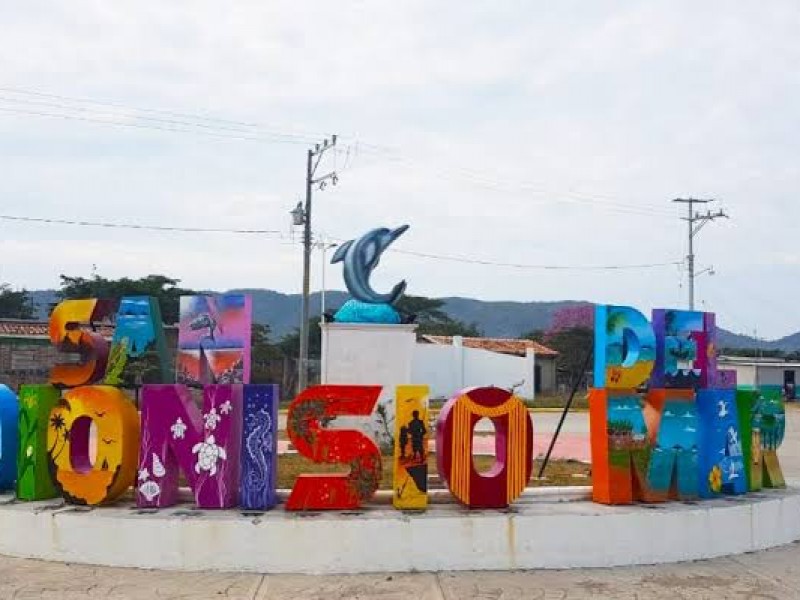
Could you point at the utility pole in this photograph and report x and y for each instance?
(303, 215)
(696, 222)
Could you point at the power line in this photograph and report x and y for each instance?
(146, 126)
(112, 225)
(273, 232)
(236, 129)
(475, 178)
(492, 263)
(306, 136)
(463, 259)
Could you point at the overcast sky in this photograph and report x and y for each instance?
(541, 133)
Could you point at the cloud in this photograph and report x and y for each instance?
(539, 134)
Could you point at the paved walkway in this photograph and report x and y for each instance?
(773, 574)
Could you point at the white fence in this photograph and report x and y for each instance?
(448, 369)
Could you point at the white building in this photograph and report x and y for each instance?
(752, 371)
(449, 364)
(391, 355)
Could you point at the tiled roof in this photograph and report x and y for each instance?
(38, 329)
(501, 345)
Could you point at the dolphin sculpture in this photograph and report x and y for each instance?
(360, 257)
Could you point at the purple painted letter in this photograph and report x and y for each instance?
(205, 447)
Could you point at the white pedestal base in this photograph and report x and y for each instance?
(541, 530)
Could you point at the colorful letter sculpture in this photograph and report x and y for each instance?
(684, 348)
(673, 467)
(622, 428)
(722, 460)
(507, 478)
(259, 461)
(9, 437)
(411, 447)
(205, 447)
(693, 433)
(309, 411)
(214, 339)
(138, 345)
(772, 424)
(33, 474)
(747, 405)
(81, 479)
(625, 348)
(67, 334)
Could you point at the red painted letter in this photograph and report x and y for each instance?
(307, 413)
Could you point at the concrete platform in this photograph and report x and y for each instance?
(548, 528)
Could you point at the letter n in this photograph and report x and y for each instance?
(177, 437)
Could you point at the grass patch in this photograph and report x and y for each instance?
(581, 401)
(559, 472)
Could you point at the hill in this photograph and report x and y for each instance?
(495, 319)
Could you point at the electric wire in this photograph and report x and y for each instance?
(493, 263)
(76, 102)
(236, 129)
(273, 232)
(117, 225)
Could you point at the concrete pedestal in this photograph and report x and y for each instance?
(546, 528)
(370, 354)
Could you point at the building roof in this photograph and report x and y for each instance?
(500, 345)
(22, 328)
(732, 361)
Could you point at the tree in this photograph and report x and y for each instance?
(290, 343)
(425, 310)
(164, 289)
(571, 333)
(537, 335)
(15, 304)
(262, 353)
(570, 317)
(432, 319)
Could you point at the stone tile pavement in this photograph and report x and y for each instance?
(773, 574)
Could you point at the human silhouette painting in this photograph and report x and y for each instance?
(410, 478)
(417, 431)
(403, 440)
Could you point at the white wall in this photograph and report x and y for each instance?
(369, 354)
(448, 369)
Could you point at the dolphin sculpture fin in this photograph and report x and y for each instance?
(341, 252)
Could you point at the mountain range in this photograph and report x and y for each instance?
(502, 319)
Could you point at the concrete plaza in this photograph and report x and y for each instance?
(768, 574)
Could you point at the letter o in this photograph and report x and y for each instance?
(507, 479)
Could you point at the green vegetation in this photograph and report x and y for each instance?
(432, 319)
(620, 428)
(580, 402)
(15, 304)
(164, 289)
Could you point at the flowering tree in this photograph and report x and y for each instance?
(571, 334)
(578, 316)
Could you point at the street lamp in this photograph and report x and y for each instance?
(324, 247)
(298, 215)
